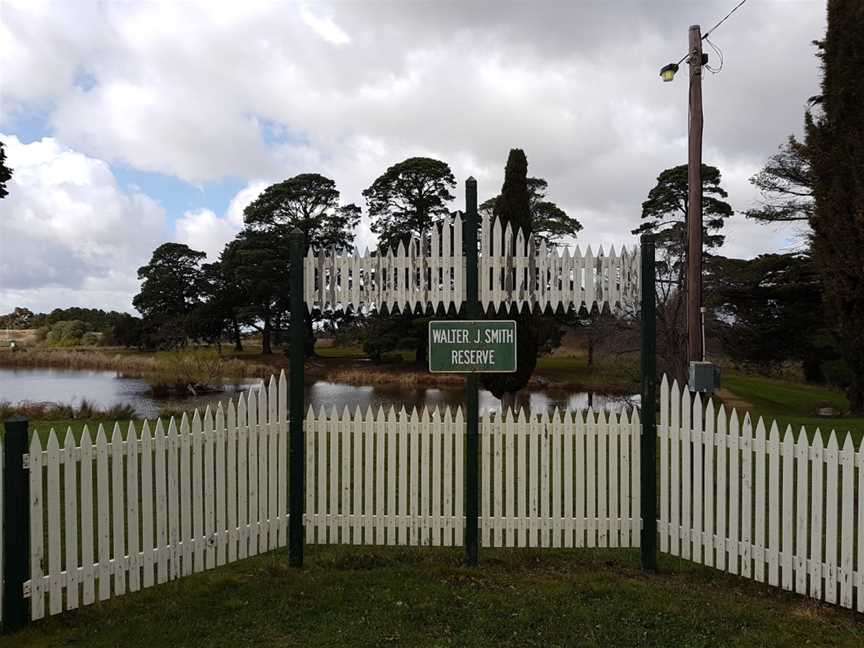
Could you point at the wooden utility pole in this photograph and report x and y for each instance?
(694, 200)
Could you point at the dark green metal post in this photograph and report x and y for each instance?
(296, 405)
(648, 437)
(472, 413)
(16, 527)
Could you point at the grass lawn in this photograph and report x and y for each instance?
(362, 596)
(794, 403)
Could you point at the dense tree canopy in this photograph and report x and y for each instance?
(256, 265)
(171, 286)
(408, 198)
(835, 144)
(310, 203)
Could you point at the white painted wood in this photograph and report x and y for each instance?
(402, 434)
(832, 504)
(787, 515)
(52, 498)
(233, 481)
(435, 432)
(627, 514)
(533, 481)
(273, 487)
(591, 476)
(413, 476)
(221, 486)
(133, 523)
(284, 450)
(173, 496)
(37, 557)
(377, 423)
(602, 516)
(675, 466)
(459, 463)
(242, 478)
(580, 473)
(208, 440)
(88, 559)
(556, 429)
(320, 434)
(332, 477)
(774, 485)
(263, 527)
(197, 490)
(802, 492)
(686, 473)
(569, 478)
(368, 432)
(759, 504)
(847, 529)
(721, 545)
(117, 509)
(252, 468)
(148, 503)
(487, 469)
(70, 519)
(746, 445)
(345, 480)
(357, 476)
(186, 497)
(698, 451)
(734, 500)
(635, 434)
(817, 505)
(709, 493)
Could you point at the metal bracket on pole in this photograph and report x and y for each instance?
(296, 405)
(648, 436)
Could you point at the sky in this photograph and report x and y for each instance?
(131, 123)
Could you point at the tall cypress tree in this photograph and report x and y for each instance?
(513, 206)
(835, 139)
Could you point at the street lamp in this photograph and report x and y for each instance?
(667, 72)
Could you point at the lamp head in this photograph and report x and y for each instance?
(667, 72)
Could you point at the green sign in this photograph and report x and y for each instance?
(472, 346)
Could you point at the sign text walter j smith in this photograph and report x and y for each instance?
(472, 346)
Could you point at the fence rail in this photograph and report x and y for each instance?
(750, 501)
(513, 271)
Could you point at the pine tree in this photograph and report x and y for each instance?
(835, 139)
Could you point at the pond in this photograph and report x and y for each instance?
(107, 388)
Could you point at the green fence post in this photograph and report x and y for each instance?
(296, 404)
(472, 414)
(16, 523)
(648, 436)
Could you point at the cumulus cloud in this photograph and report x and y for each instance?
(202, 229)
(66, 229)
(204, 90)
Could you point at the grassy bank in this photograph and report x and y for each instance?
(361, 596)
(791, 403)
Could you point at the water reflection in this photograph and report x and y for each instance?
(107, 388)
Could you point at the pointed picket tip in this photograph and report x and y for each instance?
(86, 439)
(832, 441)
(664, 382)
(774, 432)
(636, 418)
(458, 418)
(53, 443)
(601, 416)
(116, 434)
(391, 413)
(709, 408)
(697, 402)
(69, 439)
(760, 427)
(35, 444)
(425, 414)
(848, 446)
(358, 414)
(787, 436)
(346, 413)
(675, 389)
(556, 414)
(132, 429)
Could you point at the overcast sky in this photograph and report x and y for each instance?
(132, 123)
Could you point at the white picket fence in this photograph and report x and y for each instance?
(536, 275)
(127, 512)
(750, 501)
(133, 511)
(565, 480)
